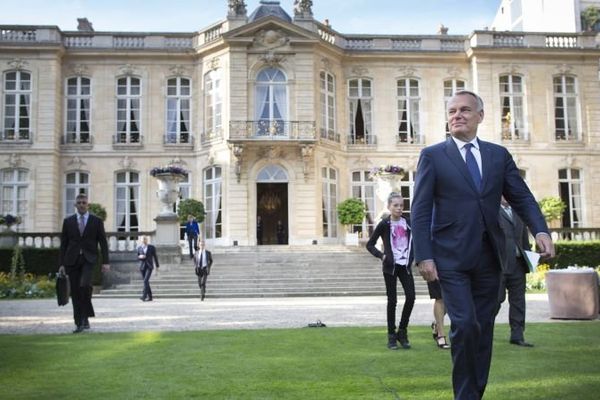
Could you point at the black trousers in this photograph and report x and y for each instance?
(515, 284)
(405, 276)
(192, 242)
(80, 278)
(146, 273)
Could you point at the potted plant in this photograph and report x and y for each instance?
(552, 208)
(8, 238)
(351, 212)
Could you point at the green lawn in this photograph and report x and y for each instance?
(321, 363)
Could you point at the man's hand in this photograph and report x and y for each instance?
(61, 270)
(428, 270)
(105, 267)
(545, 245)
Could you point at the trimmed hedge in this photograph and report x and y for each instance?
(581, 253)
(41, 262)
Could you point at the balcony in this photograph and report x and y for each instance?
(123, 141)
(276, 130)
(10, 138)
(82, 141)
(368, 141)
(210, 136)
(330, 134)
(405, 138)
(184, 140)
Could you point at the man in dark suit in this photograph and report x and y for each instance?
(202, 263)
(513, 272)
(457, 238)
(81, 235)
(148, 259)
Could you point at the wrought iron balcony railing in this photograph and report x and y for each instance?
(20, 137)
(272, 130)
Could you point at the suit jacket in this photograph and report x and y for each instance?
(197, 259)
(72, 243)
(383, 230)
(516, 236)
(151, 259)
(450, 215)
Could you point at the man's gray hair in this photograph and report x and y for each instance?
(472, 94)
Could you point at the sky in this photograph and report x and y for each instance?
(345, 16)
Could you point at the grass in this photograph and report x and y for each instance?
(329, 363)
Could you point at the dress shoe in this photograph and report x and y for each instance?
(392, 341)
(521, 343)
(85, 324)
(142, 298)
(79, 329)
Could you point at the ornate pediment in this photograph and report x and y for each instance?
(271, 34)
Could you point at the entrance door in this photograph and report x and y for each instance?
(272, 206)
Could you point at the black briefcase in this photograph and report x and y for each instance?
(62, 289)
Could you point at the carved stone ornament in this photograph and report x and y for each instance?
(569, 160)
(127, 163)
(236, 8)
(271, 39)
(454, 72)
(564, 69)
(76, 163)
(178, 162)
(272, 59)
(303, 8)
(211, 159)
(14, 160)
(178, 70)
(18, 63)
(363, 162)
(326, 63)
(511, 68)
(212, 64)
(271, 152)
(407, 70)
(306, 151)
(359, 70)
(238, 151)
(128, 70)
(78, 69)
(330, 157)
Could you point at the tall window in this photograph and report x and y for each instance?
(408, 100)
(78, 110)
(129, 102)
(451, 86)
(17, 106)
(75, 183)
(179, 97)
(363, 188)
(13, 192)
(407, 186)
(512, 101)
(570, 183)
(212, 203)
(127, 201)
(271, 102)
(327, 102)
(360, 100)
(566, 109)
(329, 201)
(213, 103)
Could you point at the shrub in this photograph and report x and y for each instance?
(190, 207)
(98, 210)
(552, 208)
(577, 253)
(28, 287)
(351, 211)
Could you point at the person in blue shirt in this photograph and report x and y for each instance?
(192, 231)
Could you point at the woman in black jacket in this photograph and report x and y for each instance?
(397, 258)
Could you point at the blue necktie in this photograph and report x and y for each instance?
(472, 166)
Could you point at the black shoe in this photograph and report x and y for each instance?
(403, 338)
(521, 342)
(79, 329)
(392, 342)
(85, 324)
(142, 298)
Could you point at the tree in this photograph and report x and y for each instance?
(98, 211)
(190, 207)
(351, 211)
(590, 17)
(552, 208)
(17, 264)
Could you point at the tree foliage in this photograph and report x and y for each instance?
(98, 210)
(351, 211)
(190, 207)
(590, 17)
(552, 208)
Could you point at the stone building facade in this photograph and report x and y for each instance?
(279, 116)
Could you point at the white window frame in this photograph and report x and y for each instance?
(213, 104)
(364, 188)
(21, 97)
(328, 109)
(451, 86)
(571, 117)
(574, 189)
(14, 193)
(513, 126)
(213, 199)
(329, 200)
(131, 186)
(271, 81)
(80, 98)
(359, 91)
(73, 189)
(408, 101)
(177, 96)
(129, 97)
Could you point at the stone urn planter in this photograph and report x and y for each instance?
(388, 179)
(168, 178)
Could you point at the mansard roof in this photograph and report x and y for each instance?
(269, 8)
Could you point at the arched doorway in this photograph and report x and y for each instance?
(272, 205)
